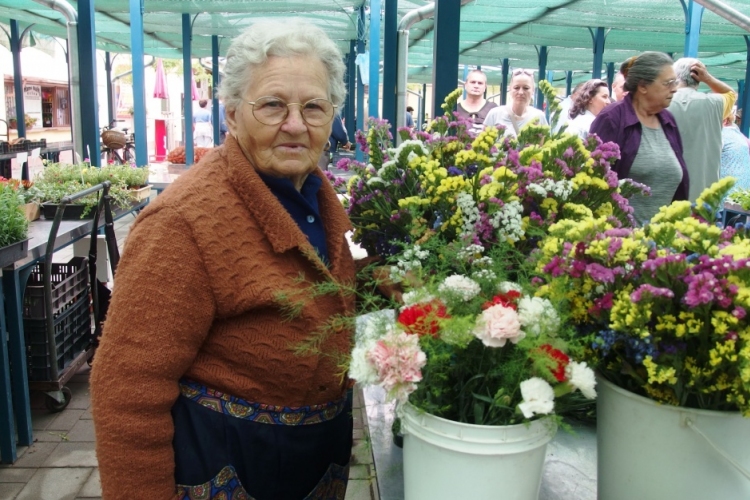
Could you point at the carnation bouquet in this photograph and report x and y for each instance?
(486, 188)
(661, 310)
(467, 345)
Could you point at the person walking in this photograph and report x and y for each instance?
(699, 118)
(202, 129)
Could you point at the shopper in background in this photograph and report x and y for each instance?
(591, 99)
(409, 118)
(475, 107)
(650, 144)
(203, 132)
(197, 390)
(699, 117)
(518, 112)
(618, 92)
(735, 154)
(565, 106)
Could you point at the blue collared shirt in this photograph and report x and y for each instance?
(302, 205)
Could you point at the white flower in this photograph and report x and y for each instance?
(582, 378)
(375, 180)
(460, 285)
(360, 369)
(538, 397)
(538, 315)
(507, 286)
(416, 297)
(509, 221)
(497, 325)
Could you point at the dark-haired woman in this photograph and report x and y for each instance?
(589, 102)
(650, 144)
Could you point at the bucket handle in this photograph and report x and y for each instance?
(689, 423)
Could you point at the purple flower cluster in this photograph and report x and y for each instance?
(650, 291)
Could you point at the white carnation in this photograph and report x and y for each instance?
(460, 285)
(507, 286)
(360, 369)
(538, 397)
(538, 316)
(582, 378)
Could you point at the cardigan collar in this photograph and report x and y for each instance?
(279, 227)
(631, 118)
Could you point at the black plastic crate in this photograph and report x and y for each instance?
(19, 147)
(31, 145)
(72, 336)
(72, 211)
(4, 147)
(69, 281)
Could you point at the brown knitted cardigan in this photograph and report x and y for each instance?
(195, 296)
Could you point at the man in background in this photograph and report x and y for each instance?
(475, 107)
(618, 92)
(699, 118)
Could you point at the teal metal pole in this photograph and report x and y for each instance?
(598, 53)
(504, 83)
(693, 17)
(110, 98)
(568, 82)
(15, 48)
(374, 84)
(215, 87)
(88, 81)
(445, 53)
(139, 83)
(187, 80)
(539, 104)
(390, 57)
(351, 90)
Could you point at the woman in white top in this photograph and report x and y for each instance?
(592, 98)
(518, 112)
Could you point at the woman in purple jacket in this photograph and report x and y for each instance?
(650, 144)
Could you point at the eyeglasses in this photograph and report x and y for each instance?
(522, 72)
(671, 83)
(271, 110)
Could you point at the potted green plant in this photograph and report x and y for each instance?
(59, 180)
(13, 226)
(30, 121)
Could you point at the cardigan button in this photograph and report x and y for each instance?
(310, 219)
(322, 388)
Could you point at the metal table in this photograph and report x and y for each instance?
(51, 152)
(15, 405)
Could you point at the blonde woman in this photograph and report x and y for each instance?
(518, 112)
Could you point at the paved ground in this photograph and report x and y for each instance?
(62, 465)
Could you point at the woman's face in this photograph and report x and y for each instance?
(292, 148)
(599, 101)
(658, 94)
(521, 88)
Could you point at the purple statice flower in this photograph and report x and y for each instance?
(577, 269)
(471, 170)
(555, 267)
(497, 201)
(537, 281)
(564, 168)
(512, 160)
(536, 217)
(739, 312)
(361, 139)
(486, 179)
(614, 246)
(484, 229)
(731, 336)
(702, 289)
(611, 178)
(569, 153)
(618, 233)
(671, 348)
(650, 291)
(603, 303)
(653, 265)
(454, 171)
(599, 273)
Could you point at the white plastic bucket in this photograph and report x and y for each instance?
(450, 460)
(650, 451)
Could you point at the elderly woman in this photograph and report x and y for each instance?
(197, 389)
(650, 144)
(588, 103)
(518, 113)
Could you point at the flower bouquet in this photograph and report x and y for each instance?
(486, 188)
(467, 345)
(661, 310)
(479, 368)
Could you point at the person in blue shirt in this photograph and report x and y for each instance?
(222, 123)
(409, 117)
(202, 129)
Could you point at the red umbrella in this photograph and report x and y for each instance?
(160, 86)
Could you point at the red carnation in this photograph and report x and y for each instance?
(504, 299)
(560, 360)
(422, 319)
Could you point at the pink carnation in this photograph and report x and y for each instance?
(497, 325)
(398, 360)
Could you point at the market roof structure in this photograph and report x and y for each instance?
(490, 29)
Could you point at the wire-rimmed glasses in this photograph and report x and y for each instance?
(270, 110)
